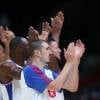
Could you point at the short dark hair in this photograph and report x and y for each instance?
(35, 45)
(50, 40)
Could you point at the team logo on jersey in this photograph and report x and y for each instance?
(52, 93)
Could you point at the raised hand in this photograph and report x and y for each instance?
(33, 34)
(56, 24)
(46, 29)
(69, 52)
(79, 48)
(6, 36)
(9, 34)
(74, 51)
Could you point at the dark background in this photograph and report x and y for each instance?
(82, 20)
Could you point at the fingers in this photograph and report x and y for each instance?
(46, 27)
(79, 48)
(61, 15)
(69, 53)
(79, 43)
(30, 30)
(74, 51)
(32, 34)
(44, 36)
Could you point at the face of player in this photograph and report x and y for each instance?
(22, 49)
(55, 49)
(45, 53)
(25, 47)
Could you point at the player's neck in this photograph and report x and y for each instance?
(38, 63)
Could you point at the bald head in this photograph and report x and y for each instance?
(18, 46)
(17, 41)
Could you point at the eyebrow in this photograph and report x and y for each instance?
(48, 47)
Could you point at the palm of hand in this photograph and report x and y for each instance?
(78, 51)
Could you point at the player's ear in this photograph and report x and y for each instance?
(37, 53)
